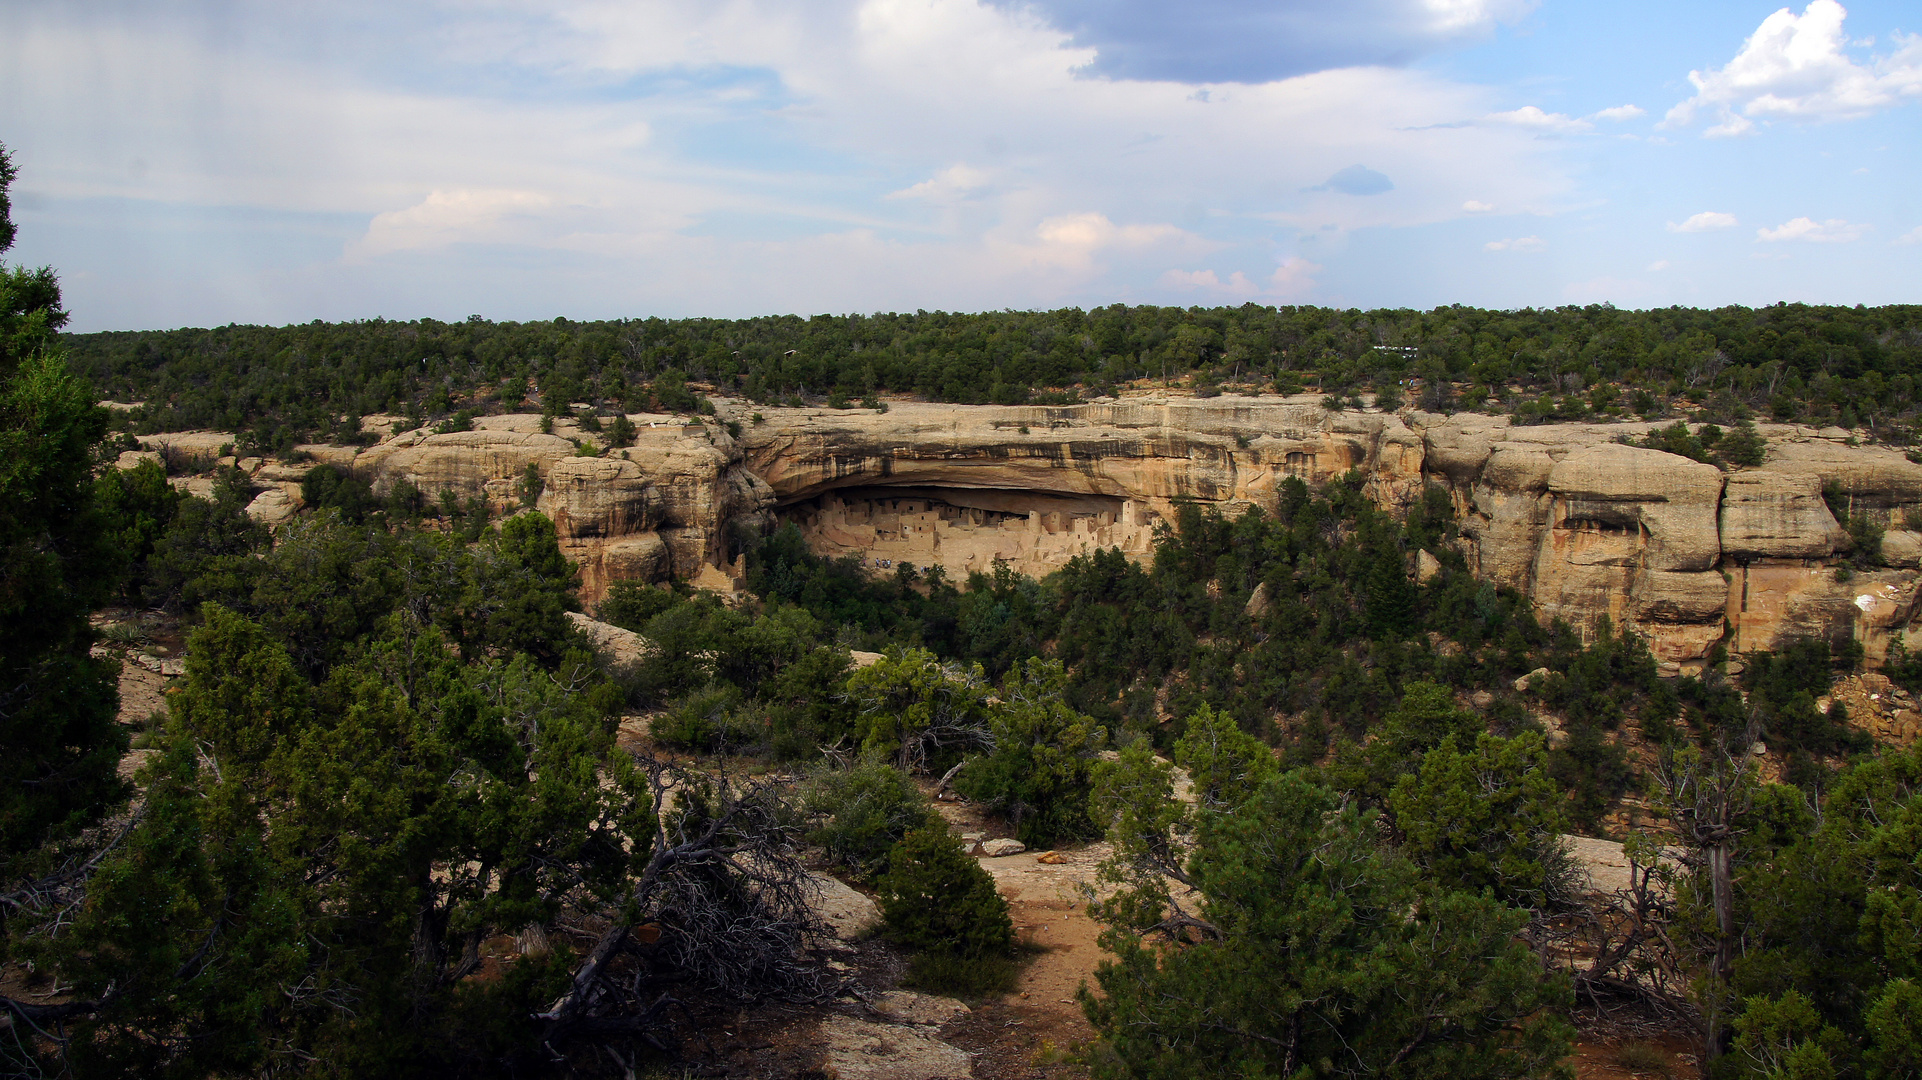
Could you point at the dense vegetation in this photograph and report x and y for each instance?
(279, 385)
(391, 821)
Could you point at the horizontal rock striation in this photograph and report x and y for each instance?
(1588, 527)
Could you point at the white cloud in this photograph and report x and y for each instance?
(1236, 285)
(1704, 221)
(447, 217)
(1618, 113)
(1520, 243)
(1913, 236)
(949, 185)
(1293, 279)
(1795, 68)
(1476, 206)
(1530, 118)
(1658, 266)
(1015, 180)
(1832, 231)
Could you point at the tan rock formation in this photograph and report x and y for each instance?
(1587, 527)
(964, 486)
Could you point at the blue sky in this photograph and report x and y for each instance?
(196, 163)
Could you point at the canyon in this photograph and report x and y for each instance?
(1689, 554)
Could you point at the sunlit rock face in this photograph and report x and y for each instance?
(961, 487)
(1588, 527)
(1686, 554)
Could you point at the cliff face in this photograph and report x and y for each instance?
(1588, 527)
(1689, 555)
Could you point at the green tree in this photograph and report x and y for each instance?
(935, 897)
(59, 558)
(1038, 774)
(1317, 952)
(1224, 763)
(918, 711)
(1490, 818)
(319, 865)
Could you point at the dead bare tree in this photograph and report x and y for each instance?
(1617, 948)
(1707, 792)
(721, 908)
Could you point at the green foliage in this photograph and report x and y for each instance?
(1224, 763)
(1318, 952)
(1894, 1025)
(1038, 774)
(1865, 532)
(630, 604)
(318, 860)
(1783, 1039)
(860, 813)
(206, 551)
(935, 898)
(282, 382)
(1425, 718)
(327, 487)
(942, 972)
(141, 504)
(919, 712)
(1488, 818)
(1831, 909)
(63, 549)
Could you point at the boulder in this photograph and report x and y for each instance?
(1522, 684)
(611, 643)
(850, 915)
(907, 1007)
(275, 506)
(995, 849)
(1259, 602)
(1426, 566)
(859, 1050)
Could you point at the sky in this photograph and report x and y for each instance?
(198, 163)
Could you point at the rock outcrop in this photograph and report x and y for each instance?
(1587, 526)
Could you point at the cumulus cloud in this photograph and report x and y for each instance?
(1913, 236)
(1293, 279)
(1618, 113)
(1832, 231)
(1356, 180)
(1237, 284)
(1705, 221)
(1519, 243)
(684, 156)
(1657, 266)
(447, 217)
(1253, 41)
(950, 184)
(1530, 118)
(1796, 67)
(1476, 206)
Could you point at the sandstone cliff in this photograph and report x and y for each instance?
(1590, 528)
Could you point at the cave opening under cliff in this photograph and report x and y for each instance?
(964, 529)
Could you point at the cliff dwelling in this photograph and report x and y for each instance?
(967, 529)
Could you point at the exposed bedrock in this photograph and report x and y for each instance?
(1588, 527)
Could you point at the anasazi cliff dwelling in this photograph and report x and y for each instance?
(1687, 553)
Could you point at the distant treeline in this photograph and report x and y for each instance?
(281, 384)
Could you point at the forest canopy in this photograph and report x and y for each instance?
(281, 385)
